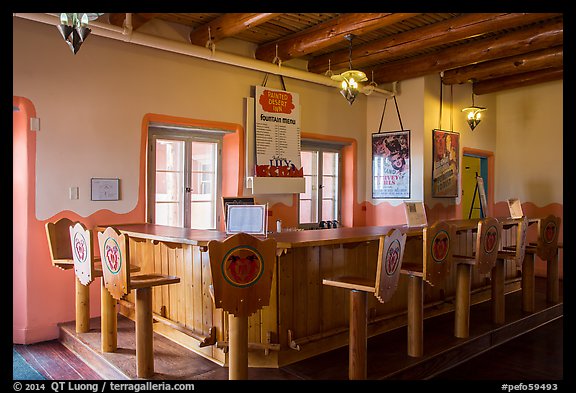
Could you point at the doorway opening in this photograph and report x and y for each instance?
(473, 165)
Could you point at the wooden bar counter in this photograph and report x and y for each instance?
(304, 318)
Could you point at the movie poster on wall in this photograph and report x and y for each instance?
(277, 126)
(446, 163)
(391, 165)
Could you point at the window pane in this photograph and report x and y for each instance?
(306, 161)
(203, 185)
(328, 210)
(168, 186)
(169, 214)
(309, 198)
(306, 212)
(203, 156)
(328, 189)
(169, 182)
(329, 163)
(203, 215)
(169, 155)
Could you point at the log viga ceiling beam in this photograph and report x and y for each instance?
(440, 33)
(514, 43)
(518, 80)
(525, 62)
(228, 25)
(326, 34)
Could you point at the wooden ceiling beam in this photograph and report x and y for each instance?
(526, 62)
(326, 34)
(518, 80)
(511, 44)
(440, 33)
(228, 25)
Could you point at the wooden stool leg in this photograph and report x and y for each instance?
(462, 306)
(552, 280)
(144, 333)
(82, 307)
(415, 316)
(238, 349)
(528, 283)
(109, 320)
(358, 336)
(498, 299)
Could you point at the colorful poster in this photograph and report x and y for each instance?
(446, 163)
(391, 165)
(277, 133)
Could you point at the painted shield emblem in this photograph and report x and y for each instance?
(112, 255)
(491, 240)
(549, 232)
(80, 247)
(242, 266)
(392, 258)
(440, 246)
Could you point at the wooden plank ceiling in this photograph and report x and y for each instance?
(494, 51)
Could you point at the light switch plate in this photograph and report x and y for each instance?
(73, 193)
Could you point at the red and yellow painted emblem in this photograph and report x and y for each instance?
(393, 258)
(242, 266)
(491, 240)
(112, 256)
(80, 247)
(549, 232)
(440, 246)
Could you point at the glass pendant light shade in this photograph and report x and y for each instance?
(473, 114)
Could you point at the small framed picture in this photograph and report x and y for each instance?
(104, 189)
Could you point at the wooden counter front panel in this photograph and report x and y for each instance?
(187, 303)
(316, 315)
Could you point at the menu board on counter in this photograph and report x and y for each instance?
(277, 129)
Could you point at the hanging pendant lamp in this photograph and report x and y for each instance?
(473, 116)
(349, 79)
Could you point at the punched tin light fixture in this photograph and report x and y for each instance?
(473, 116)
(349, 79)
(73, 29)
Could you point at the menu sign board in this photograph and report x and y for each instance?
(277, 129)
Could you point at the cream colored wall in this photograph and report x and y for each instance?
(529, 143)
(91, 107)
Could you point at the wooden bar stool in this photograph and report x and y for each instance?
(434, 269)
(115, 254)
(87, 267)
(85, 270)
(61, 251)
(546, 248)
(242, 266)
(484, 258)
(390, 253)
(515, 254)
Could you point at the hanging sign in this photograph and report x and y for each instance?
(277, 129)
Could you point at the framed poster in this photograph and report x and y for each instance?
(445, 163)
(102, 189)
(391, 165)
